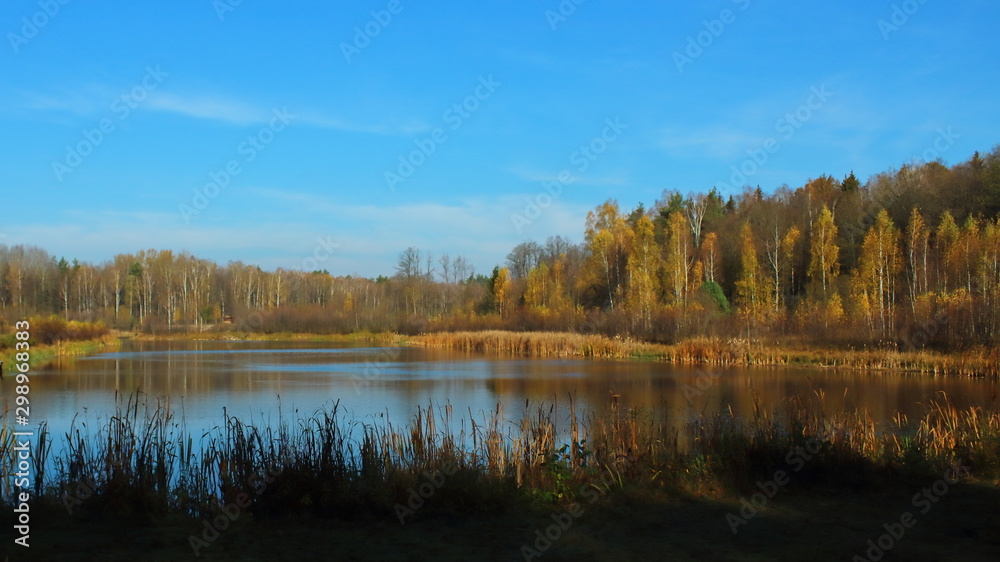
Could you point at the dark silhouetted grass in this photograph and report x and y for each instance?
(142, 463)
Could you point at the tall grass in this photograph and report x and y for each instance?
(132, 459)
(7, 456)
(533, 344)
(42, 355)
(142, 463)
(975, 362)
(707, 350)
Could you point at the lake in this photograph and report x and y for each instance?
(250, 378)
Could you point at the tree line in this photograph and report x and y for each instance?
(910, 257)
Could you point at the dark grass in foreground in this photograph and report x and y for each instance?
(141, 467)
(142, 462)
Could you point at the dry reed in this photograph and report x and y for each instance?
(142, 463)
(706, 350)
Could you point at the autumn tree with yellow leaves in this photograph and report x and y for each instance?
(643, 264)
(753, 287)
(678, 259)
(823, 251)
(914, 250)
(607, 239)
(874, 280)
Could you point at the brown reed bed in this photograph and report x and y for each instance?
(142, 463)
(975, 362)
(534, 344)
(706, 350)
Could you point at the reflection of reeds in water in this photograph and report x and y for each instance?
(142, 462)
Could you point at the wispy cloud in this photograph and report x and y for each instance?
(314, 203)
(452, 228)
(58, 106)
(239, 112)
(317, 119)
(532, 174)
(541, 176)
(93, 99)
(214, 108)
(466, 217)
(715, 142)
(368, 237)
(80, 103)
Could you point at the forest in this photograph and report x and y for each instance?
(906, 260)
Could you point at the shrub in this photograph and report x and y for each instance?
(51, 329)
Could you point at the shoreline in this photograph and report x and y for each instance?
(44, 356)
(979, 362)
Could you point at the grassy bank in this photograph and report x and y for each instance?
(242, 335)
(44, 355)
(978, 362)
(52, 338)
(794, 527)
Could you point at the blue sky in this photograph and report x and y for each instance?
(264, 131)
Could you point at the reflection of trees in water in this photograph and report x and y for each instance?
(204, 377)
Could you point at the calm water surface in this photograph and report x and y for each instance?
(250, 379)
